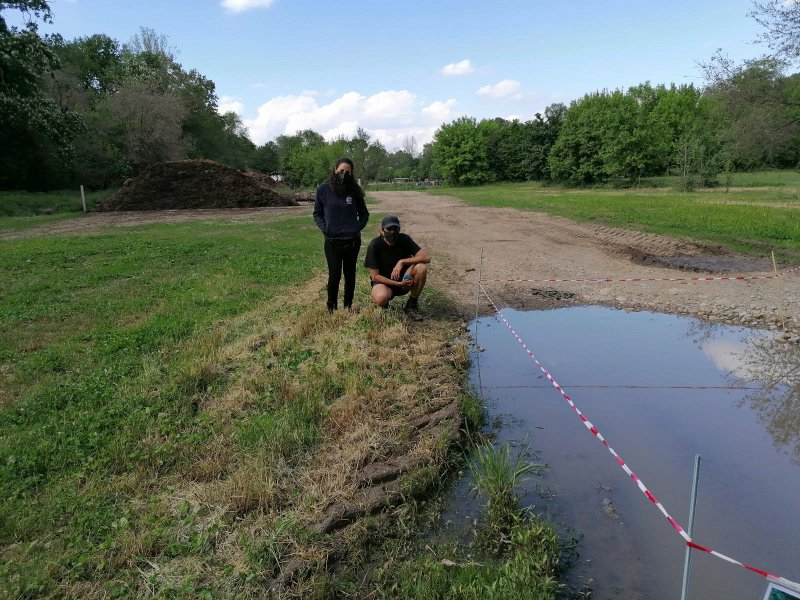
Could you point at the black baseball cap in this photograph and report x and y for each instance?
(390, 221)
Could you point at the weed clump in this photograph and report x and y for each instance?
(497, 475)
(513, 554)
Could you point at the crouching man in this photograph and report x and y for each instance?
(397, 266)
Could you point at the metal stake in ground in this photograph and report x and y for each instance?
(477, 304)
(780, 291)
(692, 503)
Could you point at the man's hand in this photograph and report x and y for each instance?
(397, 269)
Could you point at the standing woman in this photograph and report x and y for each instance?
(341, 213)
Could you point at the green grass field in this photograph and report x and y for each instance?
(105, 343)
(177, 406)
(754, 221)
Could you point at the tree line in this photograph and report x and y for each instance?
(747, 116)
(95, 111)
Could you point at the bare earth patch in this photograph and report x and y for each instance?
(528, 245)
(93, 222)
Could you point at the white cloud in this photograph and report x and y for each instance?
(729, 356)
(440, 111)
(229, 104)
(243, 5)
(506, 89)
(393, 139)
(389, 116)
(390, 105)
(460, 68)
(347, 129)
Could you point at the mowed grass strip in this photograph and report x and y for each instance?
(26, 204)
(177, 408)
(15, 224)
(745, 220)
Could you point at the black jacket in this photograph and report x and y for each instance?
(339, 218)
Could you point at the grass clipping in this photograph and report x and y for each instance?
(320, 421)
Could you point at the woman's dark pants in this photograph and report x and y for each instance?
(341, 256)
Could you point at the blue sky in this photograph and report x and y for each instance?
(401, 69)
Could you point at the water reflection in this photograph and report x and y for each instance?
(660, 388)
(766, 360)
(776, 366)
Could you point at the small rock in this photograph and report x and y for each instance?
(609, 508)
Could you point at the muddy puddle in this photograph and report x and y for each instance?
(660, 389)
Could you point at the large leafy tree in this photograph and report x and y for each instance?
(519, 151)
(543, 131)
(376, 161)
(147, 124)
(35, 133)
(356, 149)
(461, 152)
(688, 139)
(577, 155)
(305, 158)
(644, 131)
(401, 163)
(265, 158)
(762, 105)
(761, 97)
(140, 105)
(93, 63)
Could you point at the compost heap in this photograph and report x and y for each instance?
(195, 184)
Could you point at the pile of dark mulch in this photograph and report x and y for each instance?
(195, 184)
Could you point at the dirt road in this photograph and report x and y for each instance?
(527, 245)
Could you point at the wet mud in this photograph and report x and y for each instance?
(719, 262)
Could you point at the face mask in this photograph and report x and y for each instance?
(391, 236)
(344, 176)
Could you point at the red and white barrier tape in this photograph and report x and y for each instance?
(640, 279)
(629, 387)
(688, 540)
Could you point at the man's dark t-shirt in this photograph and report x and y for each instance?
(384, 257)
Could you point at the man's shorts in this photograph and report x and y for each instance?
(396, 291)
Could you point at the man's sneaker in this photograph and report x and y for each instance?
(412, 310)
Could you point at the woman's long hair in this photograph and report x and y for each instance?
(348, 187)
